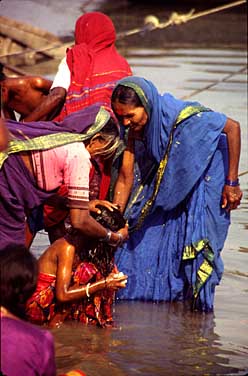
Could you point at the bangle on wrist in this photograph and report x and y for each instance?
(232, 183)
(107, 237)
(120, 238)
(118, 242)
(87, 290)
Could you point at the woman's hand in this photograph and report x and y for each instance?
(231, 197)
(109, 205)
(116, 281)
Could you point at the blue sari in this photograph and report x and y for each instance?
(177, 225)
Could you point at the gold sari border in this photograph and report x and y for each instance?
(55, 140)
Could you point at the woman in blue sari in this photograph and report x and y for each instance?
(185, 183)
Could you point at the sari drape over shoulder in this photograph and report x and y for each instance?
(19, 193)
(177, 225)
(95, 66)
(43, 135)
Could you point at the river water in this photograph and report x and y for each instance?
(205, 61)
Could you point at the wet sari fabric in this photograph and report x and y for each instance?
(177, 226)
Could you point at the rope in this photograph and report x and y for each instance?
(39, 50)
(177, 19)
(212, 85)
(243, 173)
(152, 22)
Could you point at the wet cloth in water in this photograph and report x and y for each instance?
(42, 307)
(177, 226)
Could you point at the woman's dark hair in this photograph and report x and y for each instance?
(92, 250)
(113, 220)
(103, 254)
(126, 95)
(18, 275)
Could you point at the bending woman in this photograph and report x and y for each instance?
(185, 184)
(40, 158)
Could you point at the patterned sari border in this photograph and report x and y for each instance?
(206, 268)
(54, 140)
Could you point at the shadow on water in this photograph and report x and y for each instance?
(149, 339)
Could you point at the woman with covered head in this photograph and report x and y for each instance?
(185, 184)
(88, 73)
(40, 157)
(86, 76)
(43, 155)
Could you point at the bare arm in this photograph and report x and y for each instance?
(125, 178)
(49, 107)
(231, 196)
(64, 293)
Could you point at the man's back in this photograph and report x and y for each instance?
(23, 94)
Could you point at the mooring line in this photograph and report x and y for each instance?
(153, 23)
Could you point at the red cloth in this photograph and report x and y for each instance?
(43, 306)
(95, 67)
(40, 307)
(94, 63)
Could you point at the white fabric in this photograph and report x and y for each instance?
(63, 76)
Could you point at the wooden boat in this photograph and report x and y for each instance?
(24, 45)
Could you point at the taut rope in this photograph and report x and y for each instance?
(153, 23)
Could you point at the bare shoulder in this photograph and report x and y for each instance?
(40, 82)
(48, 260)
